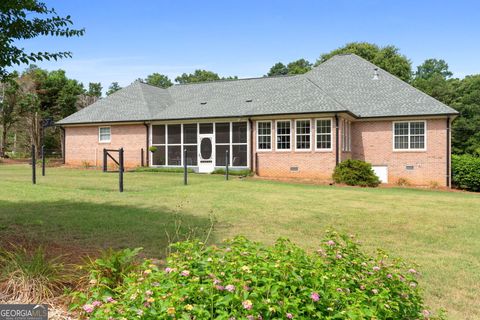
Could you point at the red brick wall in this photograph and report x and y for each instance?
(372, 142)
(311, 164)
(82, 144)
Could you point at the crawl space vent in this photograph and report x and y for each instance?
(294, 169)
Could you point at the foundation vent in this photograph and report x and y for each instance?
(293, 169)
(409, 167)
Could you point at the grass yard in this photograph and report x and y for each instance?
(78, 211)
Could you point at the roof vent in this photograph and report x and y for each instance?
(248, 100)
(203, 103)
(375, 74)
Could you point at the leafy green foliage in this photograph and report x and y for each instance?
(159, 80)
(201, 76)
(245, 279)
(94, 89)
(299, 66)
(243, 172)
(466, 172)
(30, 277)
(387, 58)
(431, 67)
(114, 87)
(355, 173)
(27, 19)
(168, 170)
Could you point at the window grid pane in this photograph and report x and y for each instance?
(264, 135)
(409, 135)
(324, 134)
(303, 134)
(283, 135)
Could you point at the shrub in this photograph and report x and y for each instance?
(244, 172)
(403, 182)
(30, 277)
(248, 280)
(86, 164)
(466, 172)
(355, 173)
(169, 170)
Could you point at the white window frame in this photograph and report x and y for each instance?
(277, 135)
(310, 136)
(258, 135)
(109, 134)
(409, 149)
(331, 135)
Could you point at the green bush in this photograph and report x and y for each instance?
(355, 173)
(243, 172)
(466, 172)
(169, 170)
(248, 280)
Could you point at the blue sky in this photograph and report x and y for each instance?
(125, 40)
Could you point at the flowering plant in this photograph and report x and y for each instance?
(248, 280)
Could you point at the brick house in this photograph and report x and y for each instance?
(289, 126)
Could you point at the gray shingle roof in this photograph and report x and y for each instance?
(343, 83)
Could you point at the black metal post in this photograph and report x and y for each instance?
(120, 171)
(43, 161)
(141, 155)
(34, 165)
(185, 171)
(227, 158)
(104, 160)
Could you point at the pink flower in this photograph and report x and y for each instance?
(389, 276)
(246, 288)
(250, 317)
(216, 281)
(96, 303)
(376, 268)
(426, 313)
(168, 270)
(331, 243)
(148, 292)
(315, 297)
(230, 288)
(220, 288)
(88, 308)
(289, 316)
(185, 273)
(339, 256)
(362, 287)
(247, 304)
(110, 299)
(412, 271)
(374, 291)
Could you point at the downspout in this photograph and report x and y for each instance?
(63, 144)
(251, 145)
(448, 176)
(337, 156)
(147, 154)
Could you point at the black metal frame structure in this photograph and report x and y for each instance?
(120, 163)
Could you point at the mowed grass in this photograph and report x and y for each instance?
(76, 210)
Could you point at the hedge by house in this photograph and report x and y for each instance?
(248, 280)
(355, 173)
(466, 172)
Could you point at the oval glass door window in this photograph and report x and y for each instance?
(206, 148)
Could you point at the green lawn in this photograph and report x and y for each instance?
(76, 211)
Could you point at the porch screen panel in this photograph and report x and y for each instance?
(222, 142)
(239, 154)
(158, 140)
(190, 143)
(174, 147)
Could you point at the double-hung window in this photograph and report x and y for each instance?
(104, 135)
(302, 130)
(324, 134)
(283, 135)
(409, 135)
(264, 135)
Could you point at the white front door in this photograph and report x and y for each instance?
(206, 153)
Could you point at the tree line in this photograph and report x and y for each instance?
(35, 97)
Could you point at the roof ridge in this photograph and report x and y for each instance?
(238, 79)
